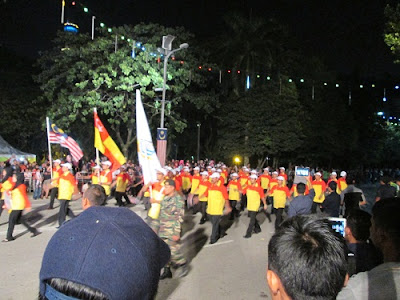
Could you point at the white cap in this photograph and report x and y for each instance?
(213, 169)
(57, 161)
(224, 167)
(185, 168)
(280, 178)
(282, 168)
(196, 168)
(68, 165)
(107, 162)
(219, 170)
(204, 173)
(253, 171)
(245, 169)
(266, 169)
(168, 168)
(96, 167)
(234, 175)
(161, 170)
(215, 175)
(333, 173)
(343, 174)
(275, 172)
(253, 176)
(318, 174)
(208, 167)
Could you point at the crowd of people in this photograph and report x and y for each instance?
(302, 207)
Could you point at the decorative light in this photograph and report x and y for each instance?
(122, 38)
(361, 86)
(373, 85)
(200, 67)
(85, 9)
(258, 76)
(238, 71)
(384, 99)
(229, 71)
(290, 80)
(396, 87)
(248, 82)
(380, 113)
(209, 69)
(337, 85)
(301, 80)
(325, 83)
(268, 78)
(138, 44)
(102, 25)
(109, 30)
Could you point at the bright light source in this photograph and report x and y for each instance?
(396, 87)
(290, 80)
(122, 37)
(301, 80)
(85, 9)
(380, 113)
(384, 99)
(109, 30)
(361, 86)
(268, 78)
(325, 83)
(248, 82)
(337, 85)
(102, 25)
(373, 85)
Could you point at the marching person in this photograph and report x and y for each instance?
(171, 218)
(106, 178)
(234, 192)
(6, 186)
(19, 202)
(57, 171)
(255, 194)
(280, 193)
(203, 186)
(120, 187)
(319, 187)
(217, 199)
(66, 188)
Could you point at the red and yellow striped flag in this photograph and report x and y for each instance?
(106, 145)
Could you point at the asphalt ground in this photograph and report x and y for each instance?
(232, 268)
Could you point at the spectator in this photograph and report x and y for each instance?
(351, 197)
(383, 281)
(331, 204)
(306, 260)
(301, 205)
(365, 254)
(105, 253)
(385, 190)
(93, 196)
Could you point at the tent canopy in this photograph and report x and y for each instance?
(7, 151)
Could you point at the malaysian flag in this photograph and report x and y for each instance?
(58, 136)
(162, 145)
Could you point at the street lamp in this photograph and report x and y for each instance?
(198, 141)
(162, 132)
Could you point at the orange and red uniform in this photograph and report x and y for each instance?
(319, 188)
(280, 193)
(254, 196)
(217, 195)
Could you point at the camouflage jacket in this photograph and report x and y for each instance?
(171, 216)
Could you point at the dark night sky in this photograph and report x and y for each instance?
(348, 33)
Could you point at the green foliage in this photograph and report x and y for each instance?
(79, 74)
(392, 31)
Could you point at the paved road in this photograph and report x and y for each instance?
(233, 268)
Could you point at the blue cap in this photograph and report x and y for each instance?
(108, 249)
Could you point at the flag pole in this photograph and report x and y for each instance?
(97, 152)
(49, 147)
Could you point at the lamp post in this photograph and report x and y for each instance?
(162, 132)
(198, 141)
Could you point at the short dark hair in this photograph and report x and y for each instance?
(96, 195)
(170, 182)
(73, 289)
(301, 188)
(359, 222)
(332, 185)
(386, 216)
(308, 257)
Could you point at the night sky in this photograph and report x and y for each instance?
(348, 34)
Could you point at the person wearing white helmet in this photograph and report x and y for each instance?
(217, 200)
(280, 193)
(66, 188)
(106, 179)
(255, 194)
(244, 181)
(57, 172)
(342, 184)
(319, 187)
(264, 180)
(283, 174)
(201, 189)
(193, 197)
(224, 174)
(234, 192)
(273, 182)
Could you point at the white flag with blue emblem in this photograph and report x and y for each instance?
(147, 154)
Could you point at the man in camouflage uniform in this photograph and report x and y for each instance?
(171, 217)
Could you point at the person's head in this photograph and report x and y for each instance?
(281, 170)
(253, 179)
(343, 174)
(169, 187)
(318, 176)
(280, 180)
(333, 175)
(105, 253)
(301, 188)
(196, 170)
(160, 173)
(93, 196)
(214, 177)
(204, 175)
(274, 174)
(18, 178)
(385, 180)
(357, 226)
(266, 171)
(66, 167)
(350, 179)
(56, 162)
(105, 165)
(385, 228)
(332, 186)
(306, 260)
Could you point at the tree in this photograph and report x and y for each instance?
(79, 74)
(392, 31)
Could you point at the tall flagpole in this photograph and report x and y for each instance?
(49, 146)
(62, 11)
(97, 153)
